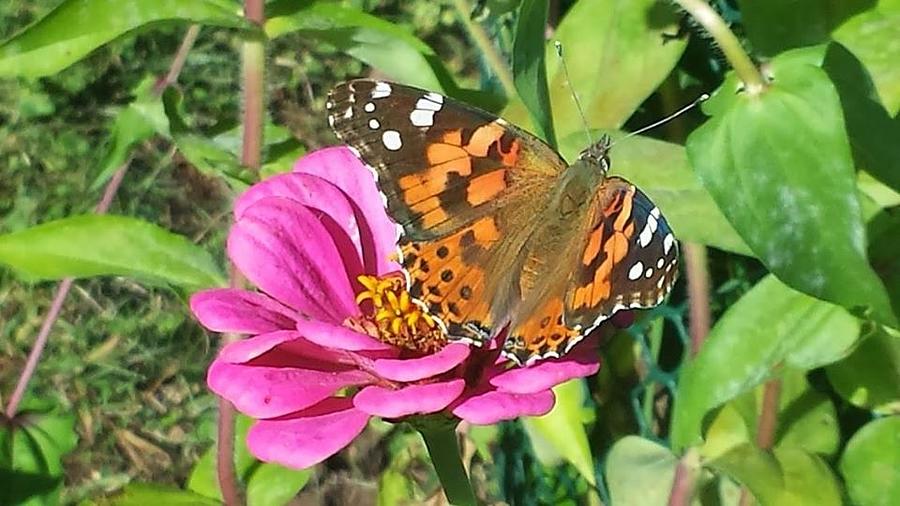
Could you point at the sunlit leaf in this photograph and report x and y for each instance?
(93, 245)
(563, 428)
(871, 463)
(778, 165)
(142, 494)
(272, 485)
(872, 37)
(77, 27)
(870, 377)
(529, 67)
(770, 325)
(376, 42)
(639, 472)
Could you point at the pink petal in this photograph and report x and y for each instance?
(311, 191)
(338, 337)
(414, 399)
(309, 437)
(414, 369)
(340, 166)
(233, 310)
(284, 249)
(246, 350)
(580, 362)
(493, 406)
(266, 392)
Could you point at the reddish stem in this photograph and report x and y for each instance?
(698, 294)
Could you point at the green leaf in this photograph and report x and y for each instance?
(529, 67)
(770, 325)
(884, 229)
(871, 463)
(93, 245)
(872, 132)
(381, 44)
(870, 377)
(204, 479)
(775, 25)
(77, 27)
(786, 476)
(141, 119)
(31, 452)
(872, 37)
(142, 494)
(639, 472)
(617, 55)
(274, 485)
(778, 165)
(563, 428)
(660, 169)
(806, 417)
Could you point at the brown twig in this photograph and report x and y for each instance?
(698, 294)
(766, 426)
(62, 290)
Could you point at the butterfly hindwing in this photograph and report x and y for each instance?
(629, 259)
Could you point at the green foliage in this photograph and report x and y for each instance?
(792, 187)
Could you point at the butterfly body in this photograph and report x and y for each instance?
(499, 232)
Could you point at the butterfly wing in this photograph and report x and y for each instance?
(627, 259)
(457, 179)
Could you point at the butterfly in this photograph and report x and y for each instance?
(499, 232)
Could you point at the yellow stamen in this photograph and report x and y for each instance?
(395, 318)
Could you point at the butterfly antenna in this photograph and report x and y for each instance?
(667, 119)
(559, 52)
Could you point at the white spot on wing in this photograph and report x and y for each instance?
(369, 107)
(391, 140)
(381, 90)
(435, 97)
(348, 113)
(636, 270)
(660, 263)
(425, 104)
(374, 124)
(649, 272)
(422, 118)
(668, 240)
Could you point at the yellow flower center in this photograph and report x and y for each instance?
(396, 318)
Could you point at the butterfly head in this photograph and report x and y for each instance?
(597, 154)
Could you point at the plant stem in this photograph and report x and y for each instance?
(685, 479)
(698, 294)
(443, 447)
(109, 193)
(491, 55)
(766, 425)
(754, 82)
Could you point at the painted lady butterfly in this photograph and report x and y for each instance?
(498, 229)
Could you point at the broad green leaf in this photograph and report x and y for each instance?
(617, 55)
(274, 485)
(872, 37)
(31, 453)
(141, 119)
(529, 67)
(775, 25)
(778, 165)
(639, 472)
(806, 417)
(660, 169)
(786, 476)
(871, 463)
(143, 494)
(77, 27)
(884, 251)
(872, 132)
(770, 325)
(870, 377)
(381, 44)
(93, 245)
(204, 479)
(563, 428)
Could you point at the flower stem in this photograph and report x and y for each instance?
(685, 482)
(766, 425)
(488, 49)
(698, 294)
(443, 447)
(731, 47)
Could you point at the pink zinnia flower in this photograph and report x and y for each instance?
(335, 338)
